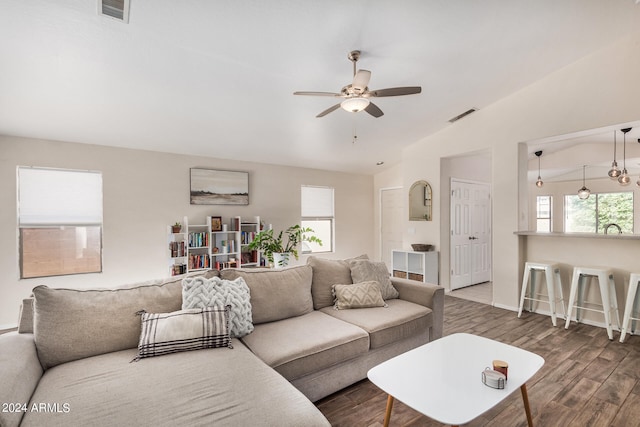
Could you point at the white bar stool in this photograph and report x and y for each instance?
(583, 276)
(552, 277)
(631, 306)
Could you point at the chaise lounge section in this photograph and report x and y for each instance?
(73, 366)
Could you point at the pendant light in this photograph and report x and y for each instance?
(584, 192)
(539, 182)
(624, 179)
(614, 172)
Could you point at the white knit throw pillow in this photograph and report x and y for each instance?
(198, 292)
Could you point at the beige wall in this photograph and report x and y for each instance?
(589, 93)
(146, 191)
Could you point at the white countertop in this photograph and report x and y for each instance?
(581, 235)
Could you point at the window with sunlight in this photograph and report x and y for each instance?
(600, 210)
(543, 214)
(318, 214)
(60, 222)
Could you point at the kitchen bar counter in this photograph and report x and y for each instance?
(614, 236)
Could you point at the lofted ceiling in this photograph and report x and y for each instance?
(216, 78)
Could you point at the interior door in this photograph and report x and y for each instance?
(391, 220)
(470, 233)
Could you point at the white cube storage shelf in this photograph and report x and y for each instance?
(420, 266)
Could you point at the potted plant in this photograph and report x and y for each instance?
(278, 248)
(176, 228)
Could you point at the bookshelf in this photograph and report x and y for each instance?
(198, 247)
(248, 228)
(177, 250)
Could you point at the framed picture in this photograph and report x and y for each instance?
(216, 223)
(219, 187)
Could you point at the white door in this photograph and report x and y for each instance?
(391, 220)
(470, 233)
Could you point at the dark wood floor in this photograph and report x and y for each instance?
(587, 380)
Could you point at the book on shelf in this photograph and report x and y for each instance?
(177, 249)
(198, 239)
(199, 261)
(178, 269)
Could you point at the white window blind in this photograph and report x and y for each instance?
(317, 202)
(59, 197)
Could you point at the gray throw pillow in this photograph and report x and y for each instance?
(198, 292)
(326, 273)
(365, 271)
(358, 295)
(183, 330)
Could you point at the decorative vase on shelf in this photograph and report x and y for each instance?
(176, 228)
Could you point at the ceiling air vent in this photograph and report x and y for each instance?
(459, 116)
(116, 9)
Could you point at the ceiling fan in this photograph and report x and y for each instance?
(357, 95)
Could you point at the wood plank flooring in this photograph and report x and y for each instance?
(587, 380)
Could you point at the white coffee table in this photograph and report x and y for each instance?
(442, 379)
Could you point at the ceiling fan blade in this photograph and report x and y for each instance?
(318, 93)
(361, 80)
(396, 91)
(329, 110)
(374, 110)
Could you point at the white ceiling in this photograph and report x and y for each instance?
(215, 78)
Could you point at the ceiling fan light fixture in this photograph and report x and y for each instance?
(355, 104)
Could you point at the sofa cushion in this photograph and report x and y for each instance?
(198, 292)
(363, 270)
(358, 295)
(276, 294)
(71, 324)
(300, 345)
(213, 387)
(184, 330)
(326, 273)
(401, 319)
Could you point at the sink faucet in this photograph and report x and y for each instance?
(606, 228)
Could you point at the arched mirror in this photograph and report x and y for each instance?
(420, 201)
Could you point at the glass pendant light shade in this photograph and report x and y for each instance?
(584, 192)
(354, 105)
(539, 182)
(614, 172)
(624, 178)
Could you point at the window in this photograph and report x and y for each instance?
(60, 222)
(317, 214)
(594, 214)
(543, 214)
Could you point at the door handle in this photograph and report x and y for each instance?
(473, 238)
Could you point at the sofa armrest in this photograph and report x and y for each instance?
(25, 317)
(426, 294)
(20, 372)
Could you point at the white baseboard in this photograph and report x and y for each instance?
(8, 326)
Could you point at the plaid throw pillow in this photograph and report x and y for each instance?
(184, 330)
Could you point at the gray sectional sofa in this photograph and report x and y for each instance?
(69, 364)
